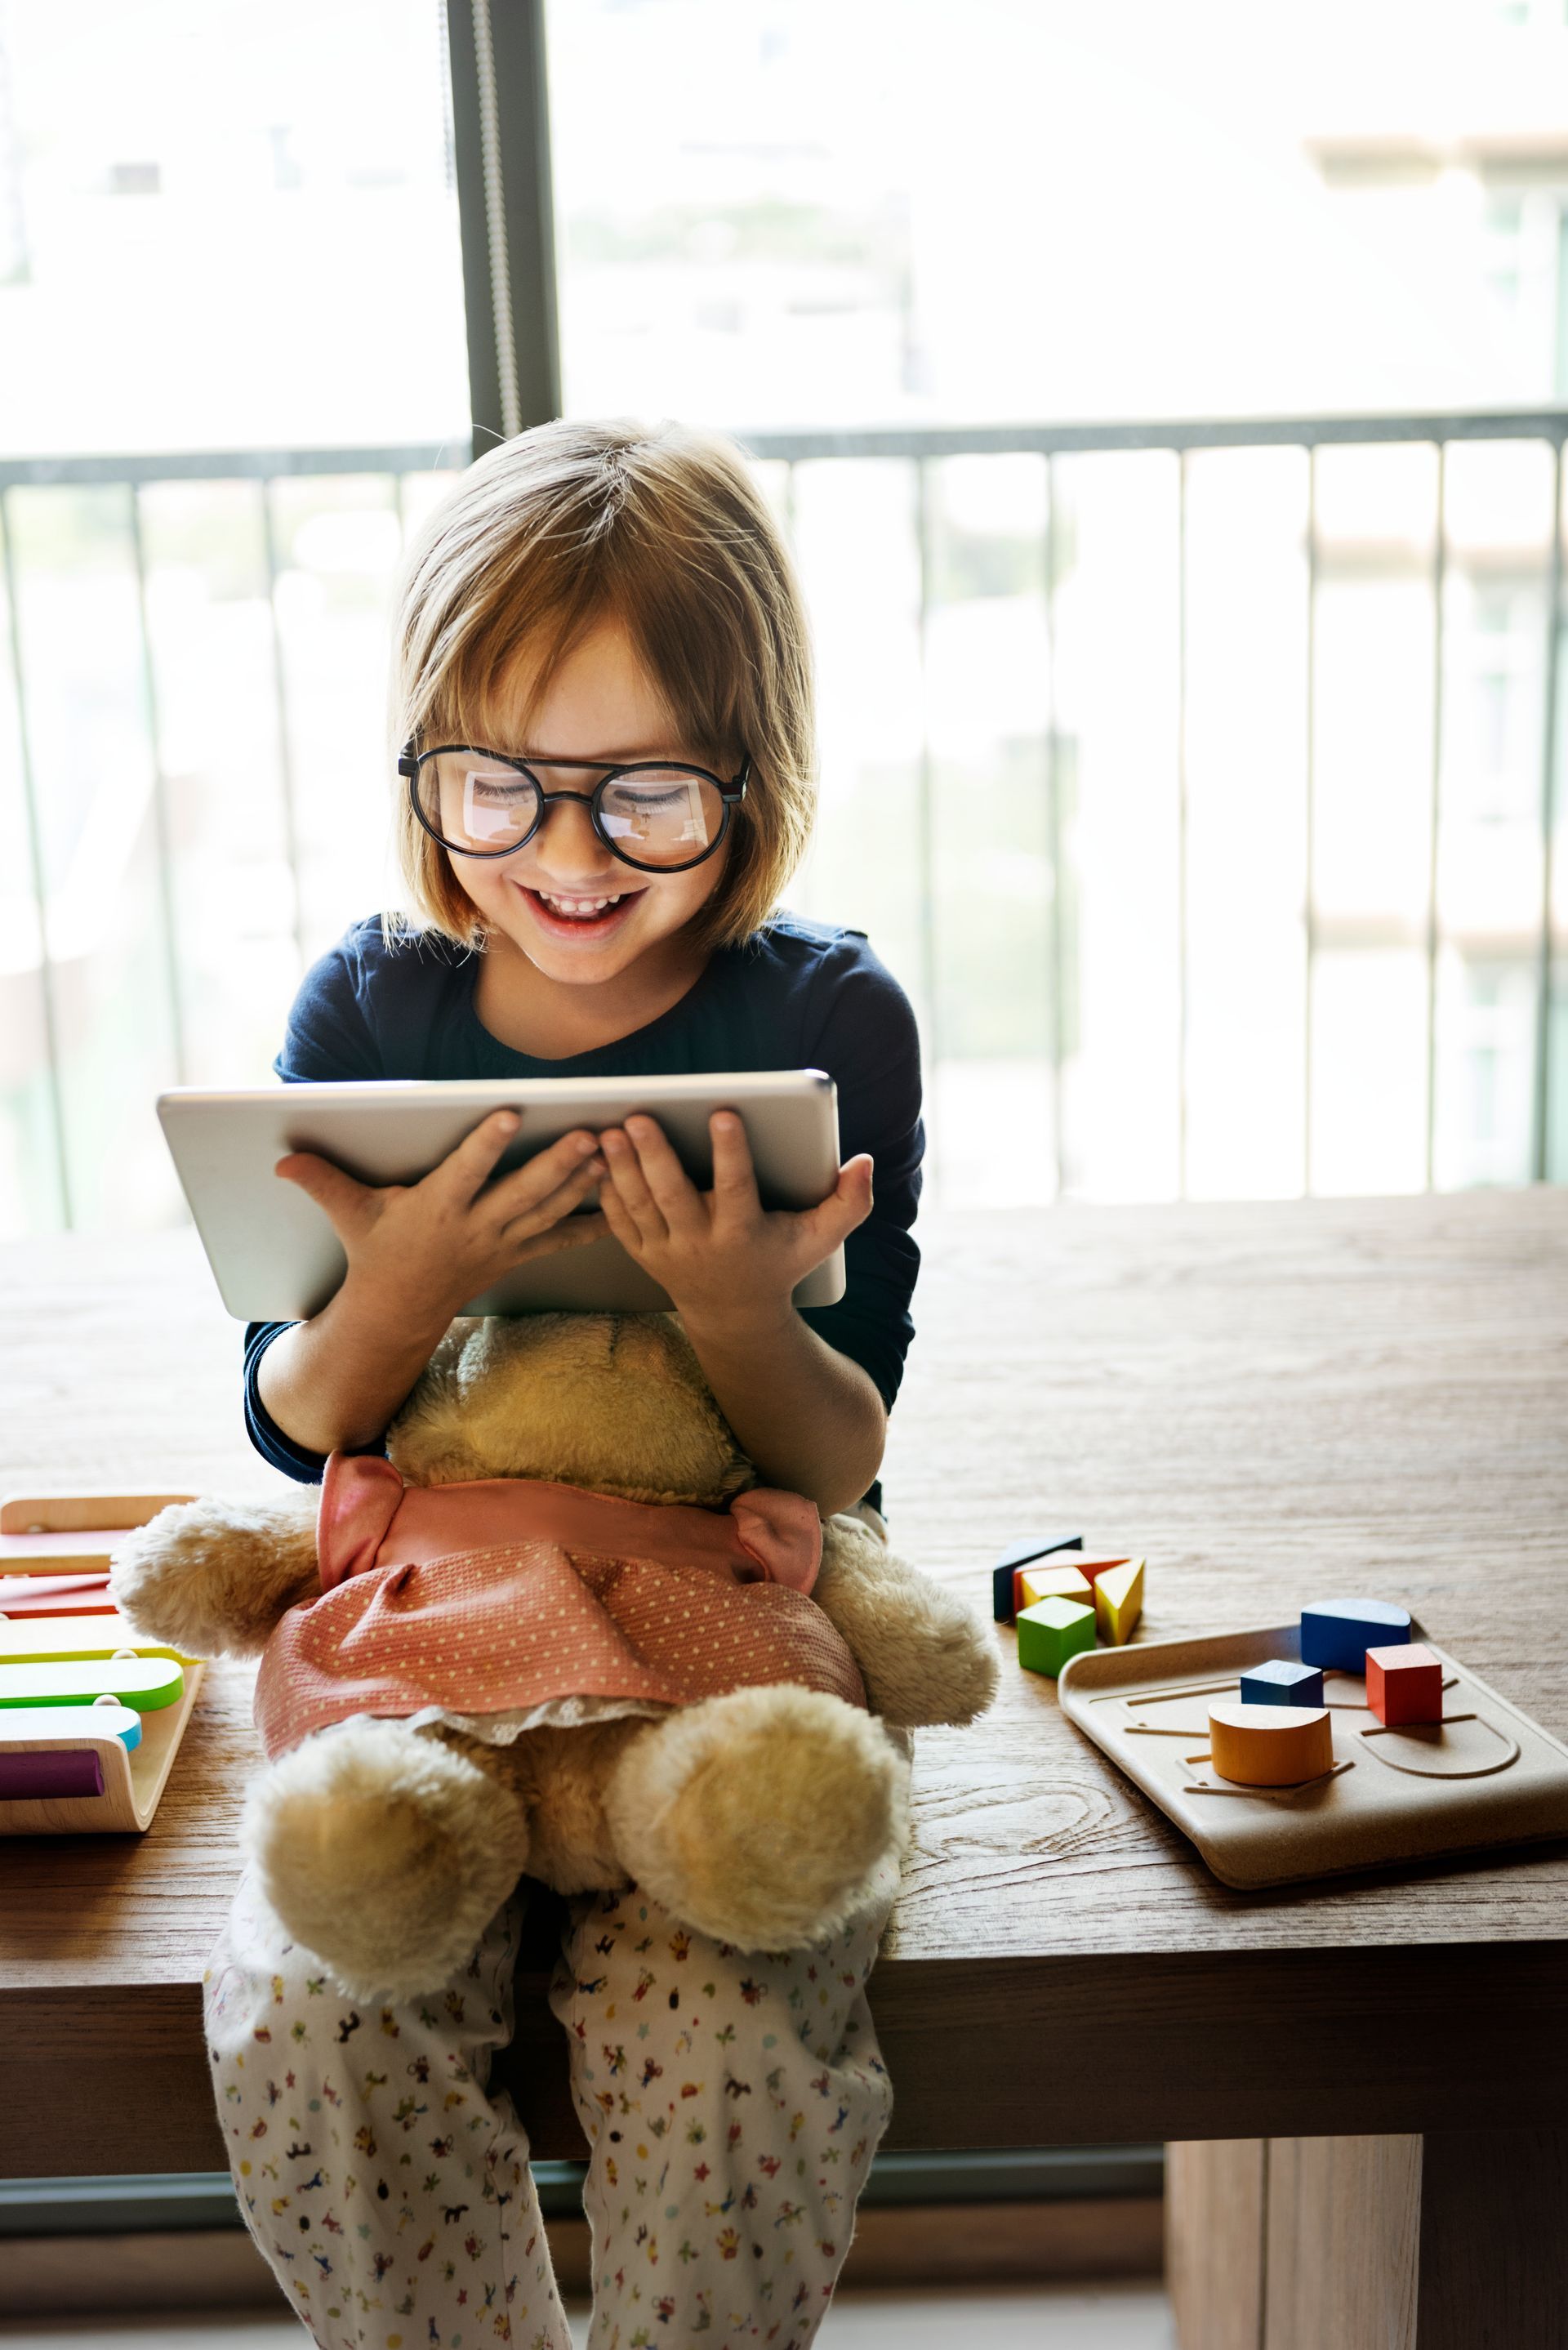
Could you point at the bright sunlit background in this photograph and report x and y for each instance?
(1203, 803)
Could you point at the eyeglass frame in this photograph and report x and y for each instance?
(732, 794)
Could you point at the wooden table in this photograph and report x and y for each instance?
(1367, 2079)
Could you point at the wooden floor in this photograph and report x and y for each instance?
(1108, 2317)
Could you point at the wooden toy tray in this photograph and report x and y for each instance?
(1487, 1775)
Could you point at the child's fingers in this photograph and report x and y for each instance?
(735, 1200)
(576, 1231)
(630, 1186)
(463, 1171)
(549, 1184)
(342, 1200)
(673, 1190)
(538, 1215)
(849, 1204)
(619, 1223)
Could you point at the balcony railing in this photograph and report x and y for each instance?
(175, 842)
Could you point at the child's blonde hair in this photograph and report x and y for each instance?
(663, 529)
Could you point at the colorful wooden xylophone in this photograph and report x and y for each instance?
(91, 1715)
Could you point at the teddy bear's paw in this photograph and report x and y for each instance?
(760, 1816)
(924, 1656)
(213, 1577)
(384, 1852)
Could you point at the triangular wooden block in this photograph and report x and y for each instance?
(1118, 1601)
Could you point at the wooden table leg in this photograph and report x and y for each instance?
(1214, 2240)
(1494, 2240)
(1455, 2242)
(1340, 2243)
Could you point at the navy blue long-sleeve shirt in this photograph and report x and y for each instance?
(798, 995)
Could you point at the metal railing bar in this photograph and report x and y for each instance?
(1540, 1138)
(1182, 1007)
(1549, 424)
(787, 524)
(1439, 583)
(1309, 900)
(925, 815)
(1056, 942)
(232, 464)
(284, 748)
(1196, 433)
(495, 221)
(161, 837)
(36, 872)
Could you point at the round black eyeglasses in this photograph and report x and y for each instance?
(657, 815)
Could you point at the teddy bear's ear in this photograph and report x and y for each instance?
(782, 1533)
(213, 1577)
(360, 1497)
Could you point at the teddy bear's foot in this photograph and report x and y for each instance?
(761, 1816)
(386, 1852)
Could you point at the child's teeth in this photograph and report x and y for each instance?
(578, 906)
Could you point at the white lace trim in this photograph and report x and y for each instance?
(554, 1713)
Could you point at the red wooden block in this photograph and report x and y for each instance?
(1404, 1684)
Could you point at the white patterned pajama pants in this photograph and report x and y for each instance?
(731, 2104)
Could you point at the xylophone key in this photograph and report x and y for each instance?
(142, 1682)
(87, 1594)
(41, 1640)
(105, 1718)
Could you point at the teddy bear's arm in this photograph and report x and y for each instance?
(213, 1577)
(923, 1655)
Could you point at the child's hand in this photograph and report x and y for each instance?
(722, 1258)
(418, 1252)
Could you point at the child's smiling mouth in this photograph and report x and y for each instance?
(569, 915)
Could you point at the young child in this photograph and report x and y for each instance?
(602, 690)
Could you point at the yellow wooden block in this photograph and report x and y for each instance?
(1049, 1579)
(1118, 1601)
(1270, 1745)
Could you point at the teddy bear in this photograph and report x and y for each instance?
(560, 1629)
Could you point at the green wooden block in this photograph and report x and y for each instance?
(1052, 1632)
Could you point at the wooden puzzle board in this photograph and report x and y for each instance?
(1489, 1775)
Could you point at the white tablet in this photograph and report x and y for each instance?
(276, 1258)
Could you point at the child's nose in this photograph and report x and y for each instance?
(568, 848)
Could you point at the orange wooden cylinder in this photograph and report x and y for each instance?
(1270, 1745)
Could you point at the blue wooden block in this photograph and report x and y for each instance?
(1002, 1574)
(1338, 1632)
(1280, 1682)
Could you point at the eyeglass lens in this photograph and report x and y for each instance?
(660, 816)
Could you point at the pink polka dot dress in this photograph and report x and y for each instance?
(503, 1602)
